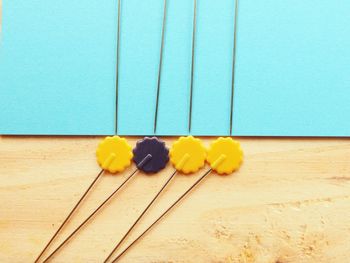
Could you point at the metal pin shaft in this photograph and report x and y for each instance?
(160, 67)
(117, 70)
(192, 64)
(91, 215)
(233, 63)
(141, 215)
(70, 215)
(163, 214)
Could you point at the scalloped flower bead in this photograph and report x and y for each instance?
(114, 154)
(188, 154)
(225, 155)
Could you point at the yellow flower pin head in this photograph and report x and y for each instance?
(114, 154)
(188, 154)
(225, 155)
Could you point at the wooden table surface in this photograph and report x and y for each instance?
(289, 202)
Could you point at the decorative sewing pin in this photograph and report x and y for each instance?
(117, 158)
(114, 154)
(160, 67)
(233, 62)
(187, 156)
(224, 156)
(192, 64)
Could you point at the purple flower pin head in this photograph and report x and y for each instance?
(154, 147)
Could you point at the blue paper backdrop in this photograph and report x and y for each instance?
(57, 67)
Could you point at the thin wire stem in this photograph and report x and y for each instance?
(162, 215)
(192, 64)
(117, 70)
(91, 215)
(160, 68)
(70, 215)
(233, 63)
(142, 214)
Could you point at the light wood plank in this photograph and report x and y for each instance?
(290, 202)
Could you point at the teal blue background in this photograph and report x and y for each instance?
(57, 67)
(293, 68)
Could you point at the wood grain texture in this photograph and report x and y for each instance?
(290, 202)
